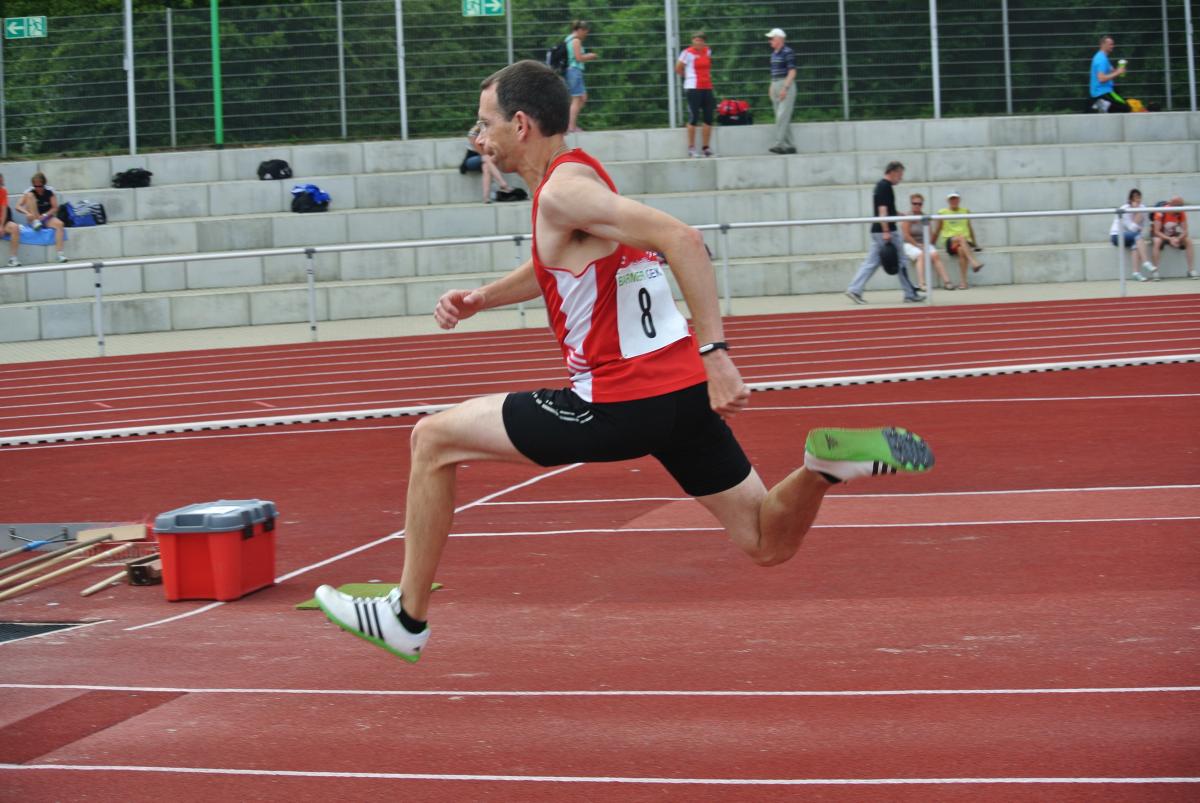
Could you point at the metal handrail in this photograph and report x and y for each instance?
(310, 251)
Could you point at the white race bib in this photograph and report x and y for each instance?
(647, 318)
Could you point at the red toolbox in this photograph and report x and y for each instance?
(219, 550)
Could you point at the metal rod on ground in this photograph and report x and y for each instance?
(92, 589)
(12, 592)
(45, 556)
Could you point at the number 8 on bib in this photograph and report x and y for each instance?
(647, 318)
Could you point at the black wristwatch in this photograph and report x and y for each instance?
(708, 348)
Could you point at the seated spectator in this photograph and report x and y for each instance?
(9, 227)
(958, 236)
(1171, 228)
(916, 247)
(39, 205)
(1128, 227)
(481, 162)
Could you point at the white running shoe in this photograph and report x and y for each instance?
(373, 619)
(1193, 275)
(1138, 276)
(850, 453)
(13, 262)
(692, 154)
(1151, 271)
(62, 257)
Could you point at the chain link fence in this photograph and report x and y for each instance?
(313, 70)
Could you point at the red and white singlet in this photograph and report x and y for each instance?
(621, 334)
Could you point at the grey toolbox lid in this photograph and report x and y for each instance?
(220, 516)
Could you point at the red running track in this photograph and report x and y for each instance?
(1018, 624)
(116, 392)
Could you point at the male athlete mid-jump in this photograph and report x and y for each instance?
(641, 383)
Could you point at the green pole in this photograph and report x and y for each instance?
(218, 118)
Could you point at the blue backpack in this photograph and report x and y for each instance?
(309, 198)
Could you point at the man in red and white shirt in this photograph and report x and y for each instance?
(641, 383)
(695, 65)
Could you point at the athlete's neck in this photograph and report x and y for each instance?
(540, 162)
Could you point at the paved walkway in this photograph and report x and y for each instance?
(73, 348)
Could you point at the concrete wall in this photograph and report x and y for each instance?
(211, 201)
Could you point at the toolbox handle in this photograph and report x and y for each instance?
(269, 524)
(247, 526)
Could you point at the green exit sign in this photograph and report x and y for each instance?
(483, 8)
(26, 27)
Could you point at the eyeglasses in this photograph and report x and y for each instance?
(917, 203)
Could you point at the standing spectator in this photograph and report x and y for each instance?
(1100, 83)
(1171, 228)
(478, 161)
(783, 90)
(884, 235)
(695, 65)
(918, 247)
(576, 59)
(958, 236)
(9, 227)
(39, 205)
(1129, 227)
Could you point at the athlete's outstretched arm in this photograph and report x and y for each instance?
(576, 200)
(518, 285)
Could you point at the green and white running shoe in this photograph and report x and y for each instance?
(850, 453)
(373, 619)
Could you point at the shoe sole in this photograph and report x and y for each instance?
(888, 448)
(354, 631)
(856, 299)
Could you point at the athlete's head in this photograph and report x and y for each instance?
(534, 89)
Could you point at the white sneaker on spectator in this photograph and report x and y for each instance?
(1138, 276)
(692, 153)
(13, 262)
(1151, 270)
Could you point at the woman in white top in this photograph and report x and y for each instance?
(1128, 227)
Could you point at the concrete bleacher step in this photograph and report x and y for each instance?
(412, 190)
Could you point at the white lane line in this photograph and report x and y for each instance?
(834, 497)
(855, 526)
(609, 692)
(286, 431)
(589, 779)
(369, 545)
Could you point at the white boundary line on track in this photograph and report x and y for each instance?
(852, 526)
(363, 547)
(588, 779)
(834, 497)
(608, 692)
(425, 409)
(754, 409)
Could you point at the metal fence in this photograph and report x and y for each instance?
(359, 69)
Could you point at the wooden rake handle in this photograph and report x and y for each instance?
(70, 567)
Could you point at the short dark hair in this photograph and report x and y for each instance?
(581, 25)
(892, 167)
(1131, 193)
(1105, 38)
(532, 87)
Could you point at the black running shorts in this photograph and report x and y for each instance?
(680, 430)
